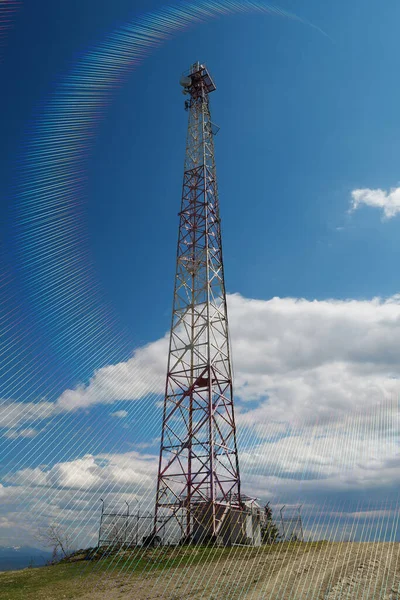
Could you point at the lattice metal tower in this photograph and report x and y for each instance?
(198, 455)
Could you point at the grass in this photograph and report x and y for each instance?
(69, 578)
(57, 581)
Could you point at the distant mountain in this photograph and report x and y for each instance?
(19, 557)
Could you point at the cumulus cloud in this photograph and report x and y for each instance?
(141, 375)
(350, 456)
(69, 493)
(316, 390)
(95, 473)
(373, 514)
(14, 434)
(120, 414)
(310, 467)
(388, 202)
(144, 373)
(306, 468)
(13, 414)
(313, 361)
(296, 361)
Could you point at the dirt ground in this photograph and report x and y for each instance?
(300, 571)
(335, 571)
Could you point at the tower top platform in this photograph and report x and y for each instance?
(198, 76)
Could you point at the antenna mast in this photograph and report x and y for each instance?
(198, 476)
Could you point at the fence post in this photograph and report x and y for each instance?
(127, 521)
(283, 525)
(101, 520)
(137, 523)
(301, 524)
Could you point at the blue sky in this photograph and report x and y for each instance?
(305, 119)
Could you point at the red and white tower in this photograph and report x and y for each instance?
(198, 477)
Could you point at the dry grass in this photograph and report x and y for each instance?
(326, 571)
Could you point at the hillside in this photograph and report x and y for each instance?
(285, 571)
(20, 557)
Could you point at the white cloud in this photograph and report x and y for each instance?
(103, 471)
(14, 434)
(69, 492)
(305, 362)
(373, 514)
(142, 374)
(120, 414)
(389, 201)
(311, 466)
(297, 361)
(13, 414)
(348, 456)
(316, 388)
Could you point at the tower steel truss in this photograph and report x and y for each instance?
(198, 456)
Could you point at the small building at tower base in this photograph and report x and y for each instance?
(236, 525)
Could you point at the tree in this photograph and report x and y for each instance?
(56, 537)
(269, 530)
